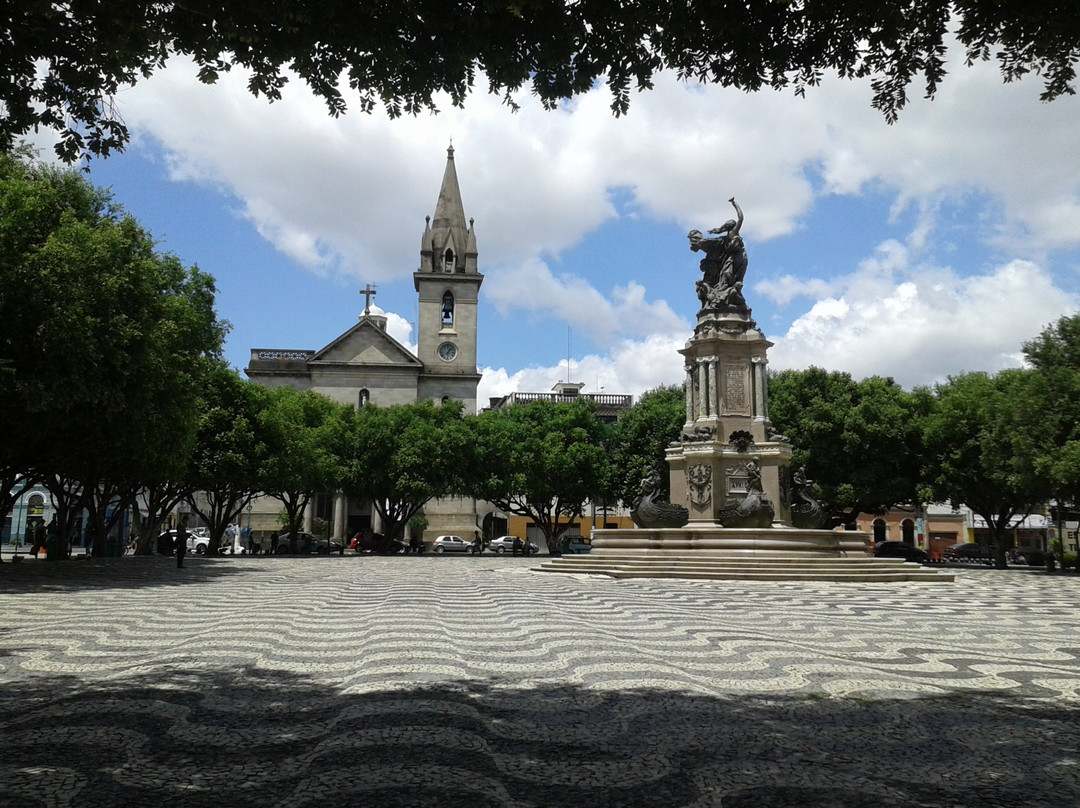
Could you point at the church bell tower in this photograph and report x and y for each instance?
(448, 285)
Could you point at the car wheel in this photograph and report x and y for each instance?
(440, 549)
(200, 549)
(499, 550)
(1021, 559)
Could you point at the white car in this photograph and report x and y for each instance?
(452, 544)
(196, 542)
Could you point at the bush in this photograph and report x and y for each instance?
(1069, 561)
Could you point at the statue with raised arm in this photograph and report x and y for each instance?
(724, 266)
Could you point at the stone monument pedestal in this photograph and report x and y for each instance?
(729, 467)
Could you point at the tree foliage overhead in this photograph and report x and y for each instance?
(61, 63)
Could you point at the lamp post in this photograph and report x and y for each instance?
(250, 543)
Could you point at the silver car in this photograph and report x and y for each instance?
(452, 544)
(507, 544)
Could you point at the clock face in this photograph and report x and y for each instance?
(447, 351)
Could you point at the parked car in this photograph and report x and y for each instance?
(377, 543)
(899, 549)
(196, 542)
(307, 543)
(506, 544)
(1035, 556)
(576, 545)
(452, 544)
(969, 551)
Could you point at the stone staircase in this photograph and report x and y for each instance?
(720, 566)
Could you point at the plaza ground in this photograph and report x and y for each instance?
(393, 681)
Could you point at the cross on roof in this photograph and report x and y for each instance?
(368, 292)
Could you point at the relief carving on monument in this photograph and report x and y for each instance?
(699, 483)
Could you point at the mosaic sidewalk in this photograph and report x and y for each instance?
(408, 681)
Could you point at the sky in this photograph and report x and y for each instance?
(918, 250)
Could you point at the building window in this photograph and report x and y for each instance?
(448, 261)
(448, 308)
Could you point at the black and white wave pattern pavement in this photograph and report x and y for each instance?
(476, 682)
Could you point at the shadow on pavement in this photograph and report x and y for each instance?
(246, 737)
(128, 572)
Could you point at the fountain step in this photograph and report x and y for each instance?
(756, 568)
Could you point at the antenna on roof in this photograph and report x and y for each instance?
(568, 354)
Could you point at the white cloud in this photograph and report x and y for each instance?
(338, 196)
(532, 287)
(336, 191)
(631, 368)
(927, 327)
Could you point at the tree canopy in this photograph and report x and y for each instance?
(542, 460)
(1055, 357)
(61, 64)
(641, 439)
(304, 434)
(401, 457)
(860, 441)
(983, 443)
(103, 341)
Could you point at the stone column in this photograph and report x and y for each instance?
(714, 387)
(757, 369)
(689, 394)
(338, 530)
(703, 390)
(309, 516)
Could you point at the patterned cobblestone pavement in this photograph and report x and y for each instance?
(429, 681)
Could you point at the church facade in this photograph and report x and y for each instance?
(367, 366)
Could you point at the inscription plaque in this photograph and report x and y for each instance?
(735, 388)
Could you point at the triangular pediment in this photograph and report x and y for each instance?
(366, 344)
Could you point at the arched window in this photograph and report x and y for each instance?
(907, 528)
(35, 505)
(365, 397)
(448, 261)
(448, 308)
(881, 530)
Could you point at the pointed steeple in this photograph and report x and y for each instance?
(449, 212)
(448, 244)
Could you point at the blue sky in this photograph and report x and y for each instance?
(931, 247)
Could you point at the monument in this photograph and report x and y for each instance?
(731, 513)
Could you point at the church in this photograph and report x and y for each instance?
(365, 365)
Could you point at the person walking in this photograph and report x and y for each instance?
(181, 541)
(37, 535)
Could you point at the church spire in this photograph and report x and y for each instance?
(449, 244)
(449, 211)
